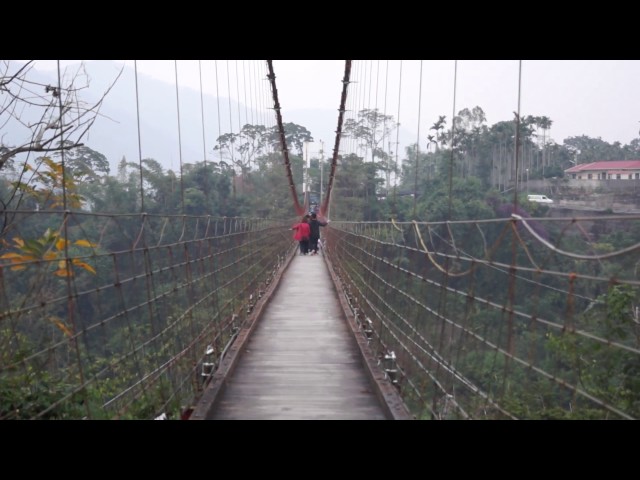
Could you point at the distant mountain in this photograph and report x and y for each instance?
(115, 132)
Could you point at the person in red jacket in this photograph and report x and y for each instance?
(303, 232)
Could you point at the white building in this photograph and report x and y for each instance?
(611, 170)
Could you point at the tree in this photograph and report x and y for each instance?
(439, 128)
(586, 149)
(468, 120)
(295, 135)
(50, 118)
(469, 128)
(371, 130)
(545, 124)
(85, 162)
(243, 147)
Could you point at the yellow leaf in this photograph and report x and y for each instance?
(49, 162)
(18, 267)
(86, 266)
(18, 241)
(85, 243)
(11, 255)
(18, 258)
(60, 244)
(63, 273)
(60, 324)
(50, 256)
(62, 264)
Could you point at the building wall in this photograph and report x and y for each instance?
(635, 175)
(605, 185)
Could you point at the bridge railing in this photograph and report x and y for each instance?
(505, 318)
(123, 316)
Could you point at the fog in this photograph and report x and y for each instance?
(596, 98)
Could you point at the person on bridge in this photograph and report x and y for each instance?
(303, 232)
(314, 226)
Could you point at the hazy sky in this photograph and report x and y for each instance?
(598, 98)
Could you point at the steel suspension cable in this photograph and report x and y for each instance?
(363, 104)
(175, 66)
(238, 98)
(397, 132)
(369, 109)
(135, 69)
(230, 117)
(251, 91)
(204, 141)
(517, 140)
(324, 209)
(67, 259)
(353, 143)
(512, 279)
(262, 94)
(375, 109)
(415, 184)
(244, 88)
(453, 127)
(218, 105)
(384, 125)
(283, 143)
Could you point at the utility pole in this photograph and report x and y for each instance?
(321, 165)
(305, 174)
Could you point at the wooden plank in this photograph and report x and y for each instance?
(301, 361)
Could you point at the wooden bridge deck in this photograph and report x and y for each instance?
(301, 361)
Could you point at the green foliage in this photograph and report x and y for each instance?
(604, 371)
(52, 186)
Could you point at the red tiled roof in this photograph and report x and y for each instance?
(615, 164)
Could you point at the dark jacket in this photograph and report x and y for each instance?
(315, 227)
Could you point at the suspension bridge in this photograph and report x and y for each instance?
(149, 314)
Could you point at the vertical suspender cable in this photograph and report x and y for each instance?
(204, 142)
(353, 143)
(415, 184)
(68, 278)
(244, 87)
(369, 100)
(218, 105)
(512, 280)
(398, 130)
(517, 159)
(175, 65)
(259, 94)
(135, 69)
(238, 98)
(363, 94)
(265, 93)
(384, 127)
(230, 118)
(251, 93)
(453, 128)
(375, 109)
